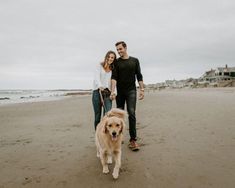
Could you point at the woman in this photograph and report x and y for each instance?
(101, 86)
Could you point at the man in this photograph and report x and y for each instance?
(126, 70)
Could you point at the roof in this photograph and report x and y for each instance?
(224, 69)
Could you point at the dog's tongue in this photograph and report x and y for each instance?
(114, 138)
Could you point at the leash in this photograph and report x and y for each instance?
(102, 101)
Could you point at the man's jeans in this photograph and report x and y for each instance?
(130, 98)
(97, 106)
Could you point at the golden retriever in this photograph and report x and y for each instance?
(108, 139)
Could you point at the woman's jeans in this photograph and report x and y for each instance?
(97, 106)
(129, 98)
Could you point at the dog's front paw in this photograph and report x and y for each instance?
(115, 174)
(105, 170)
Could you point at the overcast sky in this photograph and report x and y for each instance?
(54, 44)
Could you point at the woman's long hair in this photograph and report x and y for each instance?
(106, 59)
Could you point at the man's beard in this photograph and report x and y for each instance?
(121, 54)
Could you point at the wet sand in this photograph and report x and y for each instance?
(187, 140)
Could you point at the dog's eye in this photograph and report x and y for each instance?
(110, 125)
(117, 125)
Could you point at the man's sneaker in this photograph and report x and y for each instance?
(133, 145)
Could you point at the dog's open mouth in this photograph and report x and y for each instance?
(114, 137)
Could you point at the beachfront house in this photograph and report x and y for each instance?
(174, 83)
(208, 77)
(190, 82)
(221, 76)
(225, 73)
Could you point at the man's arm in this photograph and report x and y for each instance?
(141, 95)
(140, 80)
(141, 84)
(113, 81)
(113, 86)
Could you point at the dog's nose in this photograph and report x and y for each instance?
(114, 133)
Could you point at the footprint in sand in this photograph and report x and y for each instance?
(28, 180)
(76, 125)
(15, 142)
(62, 183)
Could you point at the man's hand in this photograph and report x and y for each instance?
(141, 94)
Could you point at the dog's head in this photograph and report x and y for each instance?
(114, 126)
(117, 113)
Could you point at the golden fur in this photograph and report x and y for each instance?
(108, 138)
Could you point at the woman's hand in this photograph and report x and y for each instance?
(101, 88)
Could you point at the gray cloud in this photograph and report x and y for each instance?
(56, 44)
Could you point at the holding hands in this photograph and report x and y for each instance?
(113, 96)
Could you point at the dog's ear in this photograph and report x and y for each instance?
(122, 126)
(104, 128)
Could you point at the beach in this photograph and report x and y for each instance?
(187, 139)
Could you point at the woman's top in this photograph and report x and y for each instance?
(101, 78)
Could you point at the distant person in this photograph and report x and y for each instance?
(126, 70)
(102, 86)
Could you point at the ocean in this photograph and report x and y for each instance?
(23, 96)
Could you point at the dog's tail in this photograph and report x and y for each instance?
(117, 112)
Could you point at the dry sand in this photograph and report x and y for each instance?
(187, 138)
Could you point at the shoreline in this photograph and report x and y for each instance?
(76, 93)
(50, 95)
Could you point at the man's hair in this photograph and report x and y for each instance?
(122, 43)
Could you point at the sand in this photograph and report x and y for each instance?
(187, 140)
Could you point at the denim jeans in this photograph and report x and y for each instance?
(129, 98)
(97, 106)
